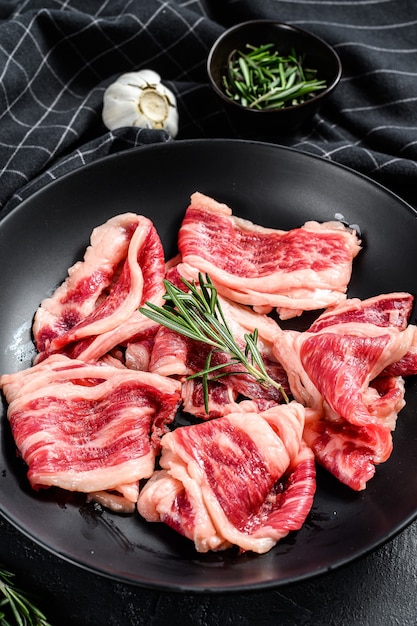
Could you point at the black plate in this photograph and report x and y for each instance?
(276, 187)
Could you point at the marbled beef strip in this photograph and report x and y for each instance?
(335, 369)
(112, 316)
(244, 479)
(87, 280)
(306, 268)
(88, 427)
(390, 310)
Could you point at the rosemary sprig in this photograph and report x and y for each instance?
(197, 314)
(261, 78)
(17, 604)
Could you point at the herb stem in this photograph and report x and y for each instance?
(197, 314)
(17, 604)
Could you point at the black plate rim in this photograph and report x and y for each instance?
(193, 588)
(196, 143)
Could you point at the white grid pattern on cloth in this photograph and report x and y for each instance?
(56, 59)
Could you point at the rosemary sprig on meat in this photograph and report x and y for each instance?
(197, 314)
(17, 604)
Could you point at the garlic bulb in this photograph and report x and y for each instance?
(140, 99)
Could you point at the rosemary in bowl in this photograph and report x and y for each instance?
(271, 78)
(259, 77)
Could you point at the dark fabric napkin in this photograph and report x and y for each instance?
(57, 57)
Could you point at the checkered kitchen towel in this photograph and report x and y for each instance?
(58, 56)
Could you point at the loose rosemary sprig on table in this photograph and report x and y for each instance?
(197, 314)
(261, 78)
(17, 604)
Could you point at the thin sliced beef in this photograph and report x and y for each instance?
(347, 451)
(136, 328)
(336, 372)
(139, 350)
(123, 500)
(88, 427)
(306, 268)
(391, 310)
(407, 365)
(342, 367)
(87, 281)
(88, 316)
(331, 366)
(222, 398)
(244, 479)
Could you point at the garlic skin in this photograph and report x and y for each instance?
(140, 99)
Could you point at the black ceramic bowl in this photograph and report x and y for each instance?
(316, 53)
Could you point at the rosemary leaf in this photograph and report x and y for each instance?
(197, 314)
(245, 71)
(17, 604)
